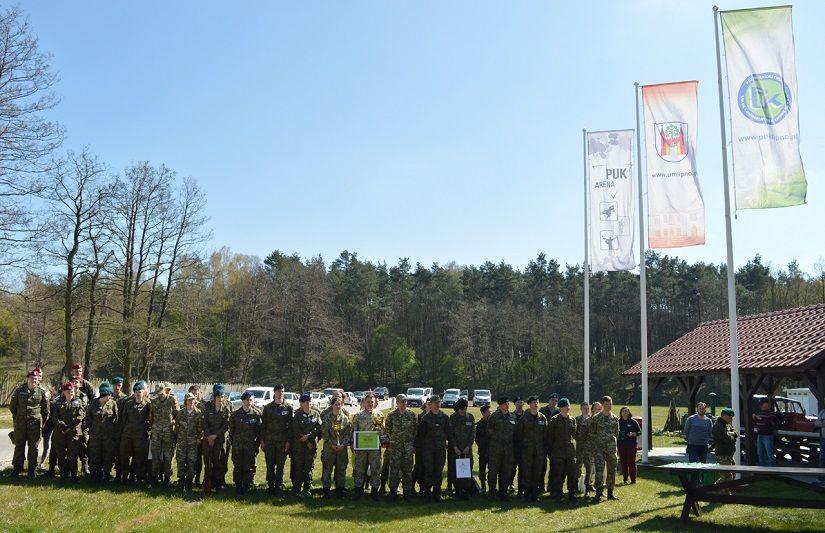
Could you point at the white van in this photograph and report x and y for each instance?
(261, 396)
(418, 396)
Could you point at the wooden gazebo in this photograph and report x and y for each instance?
(773, 347)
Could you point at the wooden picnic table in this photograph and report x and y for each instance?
(721, 492)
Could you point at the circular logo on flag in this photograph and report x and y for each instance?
(765, 98)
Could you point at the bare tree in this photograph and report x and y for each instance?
(27, 138)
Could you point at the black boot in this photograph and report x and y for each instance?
(375, 495)
(393, 496)
(408, 497)
(503, 496)
(327, 493)
(339, 493)
(598, 496)
(357, 493)
(15, 472)
(610, 495)
(572, 497)
(32, 472)
(437, 495)
(588, 489)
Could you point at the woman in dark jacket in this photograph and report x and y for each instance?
(628, 433)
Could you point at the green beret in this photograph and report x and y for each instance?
(217, 389)
(105, 389)
(139, 386)
(564, 402)
(728, 411)
(117, 380)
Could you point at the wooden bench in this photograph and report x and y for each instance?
(719, 492)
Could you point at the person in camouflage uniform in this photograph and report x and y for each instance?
(583, 458)
(245, 436)
(162, 427)
(500, 429)
(69, 413)
(119, 397)
(188, 436)
(518, 468)
(532, 434)
(101, 419)
(602, 430)
(89, 393)
(401, 427)
(462, 435)
(195, 390)
(215, 425)
(276, 437)
(482, 442)
(29, 408)
(365, 421)
(336, 430)
(550, 410)
(434, 429)
(418, 469)
(561, 436)
(133, 419)
(306, 430)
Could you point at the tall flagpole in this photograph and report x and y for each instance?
(586, 276)
(734, 335)
(642, 287)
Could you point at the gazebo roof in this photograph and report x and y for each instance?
(788, 340)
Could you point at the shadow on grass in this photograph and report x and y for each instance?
(665, 523)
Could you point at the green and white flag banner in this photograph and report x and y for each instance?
(759, 53)
(612, 211)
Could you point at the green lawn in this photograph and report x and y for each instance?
(653, 504)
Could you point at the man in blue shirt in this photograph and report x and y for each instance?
(697, 431)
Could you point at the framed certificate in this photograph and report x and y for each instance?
(367, 440)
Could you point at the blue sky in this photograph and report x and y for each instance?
(438, 131)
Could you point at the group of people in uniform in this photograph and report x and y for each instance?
(526, 451)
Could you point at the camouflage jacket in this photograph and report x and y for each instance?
(501, 427)
(69, 416)
(162, 413)
(134, 417)
(277, 422)
(336, 430)
(102, 419)
(245, 428)
(28, 404)
(561, 436)
(306, 424)
(581, 434)
(188, 426)
(462, 432)
(216, 421)
(602, 431)
(434, 430)
(401, 429)
(531, 431)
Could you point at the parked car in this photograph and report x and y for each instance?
(418, 396)
(293, 399)
(450, 397)
(794, 417)
(330, 391)
(319, 400)
(463, 394)
(382, 392)
(350, 399)
(261, 396)
(234, 400)
(359, 396)
(481, 397)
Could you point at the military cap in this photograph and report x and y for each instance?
(518, 399)
(67, 386)
(31, 374)
(188, 396)
(217, 389)
(105, 389)
(139, 386)
(246, 395)
(167, 385)
(435, 398)
(728, 411)
(401, 398)
(77, 366)
(503, 400)
(117, 380)
(564, 402)
(485, 408)
(159, 387)
(532, 399)
(460, 404)
(306, 397)
(553, 396)
(279, 386)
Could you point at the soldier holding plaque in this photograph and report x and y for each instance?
(336, 430)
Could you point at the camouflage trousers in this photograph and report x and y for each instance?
(134, 449)
(303, 459)
(500, 469)
(26, 439)
(337, 462)
(533, 466)
(186, 454)
(564, 469)
(364, 459)
(163, 450)
(275, 459)
(401, 468)
(583, 460)
(727, 460)
(605, 458)
(243, 464)
(101, 456)
(67, 452)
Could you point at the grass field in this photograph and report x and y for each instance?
(5, 418)
(653, 504)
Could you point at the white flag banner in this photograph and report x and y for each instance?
(675, 208)
(759, 53)
(612, 235)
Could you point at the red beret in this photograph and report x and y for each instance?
(31, 374)
(67, 386)
(77, 366)
(38, 371)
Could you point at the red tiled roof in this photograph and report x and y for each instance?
(788, 339)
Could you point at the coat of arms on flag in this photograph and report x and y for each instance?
(672, 141)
